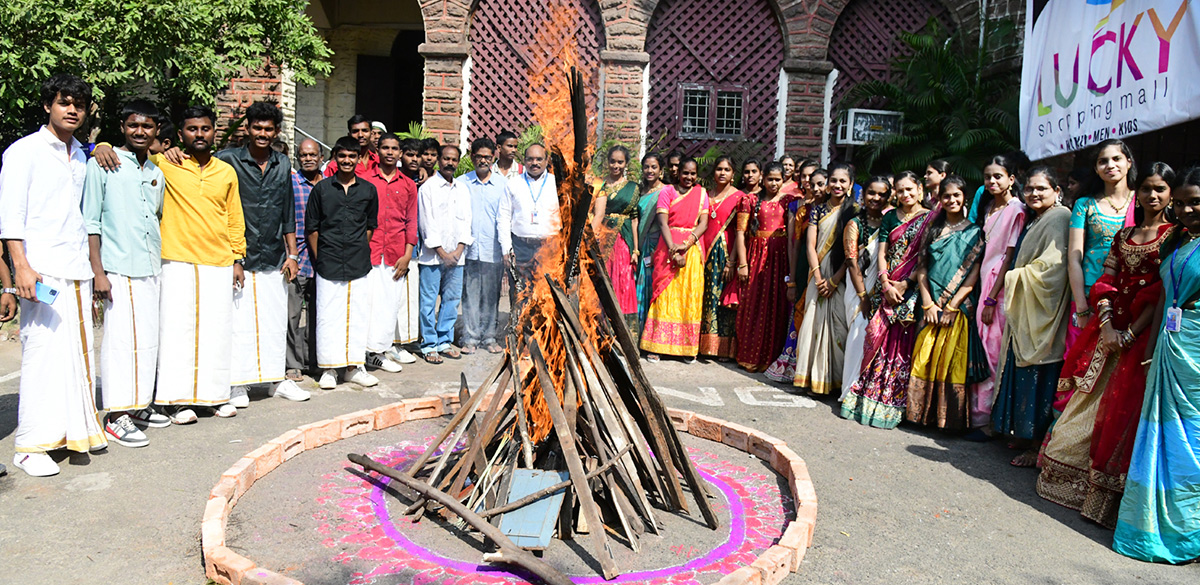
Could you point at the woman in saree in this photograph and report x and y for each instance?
(651, 188)
(935, 172)
(1094, 223)
(1002, 216)
(879, 396)
(616, 208)
(718, 318)
(676, 301)
(1036, 295)
(783, 369)
(861, 242)
(762, 266)
(790, 186)
(819, 360)
(1159, 518)
(1103, 381)
(948, 357)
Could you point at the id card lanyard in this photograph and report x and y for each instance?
(1174, 313)
(538, 197)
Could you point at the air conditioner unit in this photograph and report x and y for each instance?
(858, 126)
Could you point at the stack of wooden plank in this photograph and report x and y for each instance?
(612, 460)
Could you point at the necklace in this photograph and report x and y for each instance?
(1117, 209)
(904, 218)
(956, 225)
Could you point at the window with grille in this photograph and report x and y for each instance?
(710, 112)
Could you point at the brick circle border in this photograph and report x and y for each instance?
(224, 566)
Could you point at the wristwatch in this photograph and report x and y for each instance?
(294, 257)
(8, 291)
(240, 261)
(787, 278)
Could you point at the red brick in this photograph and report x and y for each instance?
(290, 444)
(742, 576)
(775, 564)
(796, 537)
(706, 427)
(806, 516)
(356, 423)
(763, 446)
(680, 419)
(421, 408)
(782, 460)
(802, 486)
(266, 459)
(242, 473)
(260, 576)
(389, 415)
(224, 488)
(212, 534)
(736, 436)
(226, 567)
(320, 433)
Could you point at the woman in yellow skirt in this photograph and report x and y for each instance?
(676, 301)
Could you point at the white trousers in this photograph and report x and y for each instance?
(408, 312)
(260, 321)
(194, 339)
(343, 312)
(129, 350)
(56, 406)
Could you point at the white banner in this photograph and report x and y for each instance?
(1100, 69)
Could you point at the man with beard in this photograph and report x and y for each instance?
(445, 232)
(41, 188)
(122, 210)
(260, 316)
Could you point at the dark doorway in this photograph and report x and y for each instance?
(389, 89)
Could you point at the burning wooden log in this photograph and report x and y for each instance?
(579, 402)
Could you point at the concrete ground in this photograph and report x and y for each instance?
(899, 506)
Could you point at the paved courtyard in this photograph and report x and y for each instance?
(900, 506)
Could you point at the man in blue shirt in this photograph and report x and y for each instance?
(121, 211)
(485, 264)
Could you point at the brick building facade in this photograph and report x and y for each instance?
(398, 48)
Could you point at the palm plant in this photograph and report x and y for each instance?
(415, 130)
(958, 105)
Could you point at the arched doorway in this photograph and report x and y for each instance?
(714, 75)
(511, 55)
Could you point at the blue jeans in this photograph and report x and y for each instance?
(437, 324)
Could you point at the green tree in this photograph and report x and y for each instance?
(177, 51)
(958, 104)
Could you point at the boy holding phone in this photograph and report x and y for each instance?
(122, 210)
(41, 189)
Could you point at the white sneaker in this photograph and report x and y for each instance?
(183, 416)
(400, 355)
(151, 418)
(329, 380)
(121, 430)
(225, 411)
(363, 378)
(35, 464)
(288, 389)
(382, 362)
(239, 397)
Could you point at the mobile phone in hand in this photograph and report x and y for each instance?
(45, 293)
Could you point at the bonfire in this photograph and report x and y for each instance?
(568, 405)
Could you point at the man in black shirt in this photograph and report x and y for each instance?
(260, 305)
(341, 215)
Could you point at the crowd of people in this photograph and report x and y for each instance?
(1060, 319)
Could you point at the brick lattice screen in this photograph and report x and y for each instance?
(864, 44)
(510, 45)
(720, 44)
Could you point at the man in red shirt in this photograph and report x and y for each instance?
(394, 294)
(359, 127)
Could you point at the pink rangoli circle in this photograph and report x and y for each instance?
(359, 521)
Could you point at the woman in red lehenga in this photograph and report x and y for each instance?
(762, 264)
(1103, 380)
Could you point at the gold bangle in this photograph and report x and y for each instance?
(862, 295)
(929, 306)
(949, 310)
(790, 284)
(812, 270)
(740, 266)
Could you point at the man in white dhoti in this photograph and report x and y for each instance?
(41, 190)
(202, 235)
(121, 210)
(342, 213)
(260, 306)
(393, 286)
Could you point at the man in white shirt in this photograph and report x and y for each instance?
(506, 164)
(444, 227)
(528, 213)
(41, 223)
